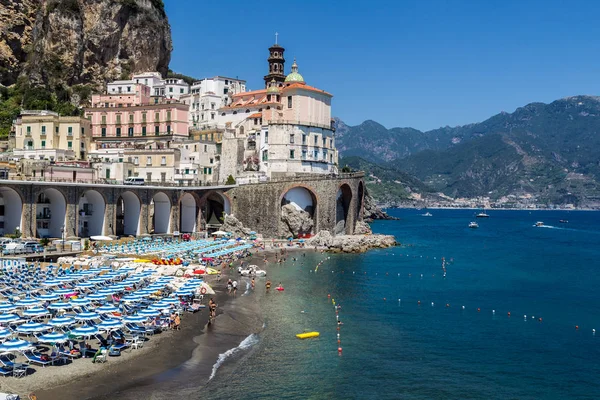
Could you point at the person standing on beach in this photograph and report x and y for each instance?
(234, 284)
(252, 283)
(229, 286)
(268, 285)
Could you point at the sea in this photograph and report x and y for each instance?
(514, 317)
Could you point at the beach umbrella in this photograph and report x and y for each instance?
(28, 302)
(5, 333)
(35, 312)
(31, 327)
(49, 297)
(15, 345)
(80, 301)
(8, 318)
(148, 312)
(54, 337)
(60, 305)
(135, 318)
(185, 292)
(7, 307)
(85, 285)
(96, 296)
(62, 292)
(87, 316)
(106, 309)
(107, 291)
(61, 321)
(109, 324)
(170, 300)
(85, 331)
(133, 298)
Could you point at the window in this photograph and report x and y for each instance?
(324, 140)
(43, 130)
(265, 155)
(131, 118)
(104, 119)
(212, 116)
(211, 161)
(316, 139)
(103, 134)
(70, 145)
(168, 115)
(316, 154)
(266, 136)
(118, 132)
(43, 144)
(303, 139)
(156, 129)
(82, 131)
(304, 154)
(120, 159)
(163, 160)
(149, 176)
(136, 160)
(289, 101)
(148, 160)
(291, 154)
(212, 106)
(70, 131)
(143, 131)
(170, 90)
(292, 138)
(225, 90)
(157, 116)
(129, 88)
(130, 131)
(144, 117)
(163, 176)
(202, 116)
(168, 129)
(29, 130)
(205, 148)
(181, 90)
(118, 119)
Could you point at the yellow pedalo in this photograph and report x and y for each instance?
(307, 335)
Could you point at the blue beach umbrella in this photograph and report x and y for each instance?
(109, 324)
(53, 337)
(87, 316)
(96, 296)
(60, 305)
(8, 318)
(85, 331)
(5, 333)
(170, 300)
(49, 297)
(31, 327)
(65, 291)
(106, 309)
(35, 312)
(28, 302)
(7, 307)
(15, 345)
(80, 301)
(149, 312)
(61, 321)
(135, 318)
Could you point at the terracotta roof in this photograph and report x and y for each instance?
(252, 93)
(256, 115)
(303, 86)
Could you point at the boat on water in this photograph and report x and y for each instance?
(482, 215)
(473, 225)
(539, 223)
(427, 214)
(563, 221)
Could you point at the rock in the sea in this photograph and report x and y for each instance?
(362, 228)
(372, 211)
(235, 226)
(295, 221)
(351, 243)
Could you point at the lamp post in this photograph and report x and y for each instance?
(62, 235)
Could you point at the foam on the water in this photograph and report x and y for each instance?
(248, 342)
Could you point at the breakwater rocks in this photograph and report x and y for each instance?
(351, 243)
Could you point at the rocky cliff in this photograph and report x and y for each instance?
(55, 42)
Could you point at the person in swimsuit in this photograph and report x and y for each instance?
(268, 285)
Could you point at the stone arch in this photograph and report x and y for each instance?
(214, 204)
(129, 207)
(188, 213)
(298, 212)
(342, 207)
(91, 209)
(360, 202)
(161, 214)
(51, 211)
(11, 210)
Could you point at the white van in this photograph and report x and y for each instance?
(134, 180)
(14, 248)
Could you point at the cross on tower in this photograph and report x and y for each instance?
(276, 34)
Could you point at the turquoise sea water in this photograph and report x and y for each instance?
(399, 349)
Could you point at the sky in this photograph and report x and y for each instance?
(421, 64)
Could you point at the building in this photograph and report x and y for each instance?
(44, 135)
(285, 129)
(207, 96)
(171, 88)
(136, 116)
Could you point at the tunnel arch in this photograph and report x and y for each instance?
(91, 209)
(213, 205)
(51, 211)
(342, 207)
(11, 210)
(128, 214)
(304, 203)
(161, 215)
(188, 213)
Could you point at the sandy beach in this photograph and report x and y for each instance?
(181, 359)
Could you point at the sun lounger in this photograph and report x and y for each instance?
(6, 371)
(36, 358)
(6, 361)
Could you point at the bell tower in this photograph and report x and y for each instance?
(276, 64)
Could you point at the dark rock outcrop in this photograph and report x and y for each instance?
(295, 222)
(372, 211)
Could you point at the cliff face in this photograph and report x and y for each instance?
(82, 41)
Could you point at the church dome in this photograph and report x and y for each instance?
(273, 87)
(294, 76)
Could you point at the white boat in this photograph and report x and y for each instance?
(473, 225)
(482, 215)
(427, 214)
(539, 223)
(253, 270)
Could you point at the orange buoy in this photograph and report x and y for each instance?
(339, 341)
(339, 349)
(478, 309)
(509, 313)
(576, 326)
(540, 319)
(328, 296)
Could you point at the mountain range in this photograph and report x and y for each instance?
(548, 151)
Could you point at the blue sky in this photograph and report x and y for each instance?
(421, 63)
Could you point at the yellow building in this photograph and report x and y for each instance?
(44, 135)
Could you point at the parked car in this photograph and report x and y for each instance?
(14, 248)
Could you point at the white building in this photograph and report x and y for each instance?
(171, 88)
(151, 79)
(175, 88)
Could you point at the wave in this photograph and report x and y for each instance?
(248, 342)
(247, 288)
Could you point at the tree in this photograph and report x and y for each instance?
(346, 169)
(230, 180)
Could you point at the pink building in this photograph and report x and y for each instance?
(136, 115)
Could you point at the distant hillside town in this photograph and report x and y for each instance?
(165, 131)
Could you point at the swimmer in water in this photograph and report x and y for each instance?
(268, 285)
(252, 283)
(279, 287)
